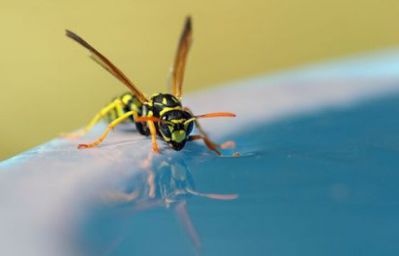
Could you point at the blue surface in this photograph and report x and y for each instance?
(316, 184)
(317, 176)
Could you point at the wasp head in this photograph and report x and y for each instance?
(175, 127)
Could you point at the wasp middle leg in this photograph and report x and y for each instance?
(112, 125)
(116, 104)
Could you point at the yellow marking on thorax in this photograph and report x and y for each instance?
(167, 109)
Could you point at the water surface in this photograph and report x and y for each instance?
(315, 184)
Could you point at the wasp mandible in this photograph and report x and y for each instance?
(162, 114)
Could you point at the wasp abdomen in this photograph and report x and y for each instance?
(129, 103)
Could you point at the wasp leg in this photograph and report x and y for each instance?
(120, 196)
(211, 146)
(111, 126)
(153, 132)
(208, 142)
(146, 164)
(100, 115)
(225, 145)
(151, 184)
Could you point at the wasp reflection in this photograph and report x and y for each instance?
(166, 182)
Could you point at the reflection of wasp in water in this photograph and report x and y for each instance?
(169, 185)
(162, 114)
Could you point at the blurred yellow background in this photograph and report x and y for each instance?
(49, 84)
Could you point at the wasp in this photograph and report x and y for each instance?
(162, 114)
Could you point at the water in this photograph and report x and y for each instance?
(316, 184)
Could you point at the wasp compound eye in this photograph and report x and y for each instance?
(166, 130)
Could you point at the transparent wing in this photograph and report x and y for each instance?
(107, 65)
(180, 59)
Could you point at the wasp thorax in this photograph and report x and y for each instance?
(163, 102)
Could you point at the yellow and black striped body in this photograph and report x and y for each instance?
(172, 127)
(161, 103)
(129, 103)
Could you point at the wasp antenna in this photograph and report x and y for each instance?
(214, 196)
(216, 114)
(211, 115)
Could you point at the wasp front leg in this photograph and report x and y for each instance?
(116, 104)
(208, 142)
(211, 146)
(153, 132)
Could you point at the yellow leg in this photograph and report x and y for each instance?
(153, 132)
(111, 126)
(100, 115)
